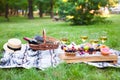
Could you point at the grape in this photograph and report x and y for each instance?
(66, 50)
(62, 47)
(91, 50)
(81, 52)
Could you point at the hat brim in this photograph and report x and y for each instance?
(9, 50)
(6, 48)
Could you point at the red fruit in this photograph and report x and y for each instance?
(105, 50)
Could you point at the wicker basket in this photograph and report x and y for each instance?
(52, 44)
(46, 46)
(43, 46)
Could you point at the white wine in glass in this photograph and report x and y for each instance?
(64, 40)
(84, 38)
(95, 41)
(92, 41)
(103, 39)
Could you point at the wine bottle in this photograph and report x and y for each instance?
(39, 39)
(30, 41)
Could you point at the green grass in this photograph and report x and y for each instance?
(20, 27)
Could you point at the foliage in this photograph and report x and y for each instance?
(13, 4)
(42, 4)
(113, 2)
(81, 12)
(1, 6)
(22, 5)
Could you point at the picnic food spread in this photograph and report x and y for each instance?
(87, 52)
(30, 54)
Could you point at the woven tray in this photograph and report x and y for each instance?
(49, 43)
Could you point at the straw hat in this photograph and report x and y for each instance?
(12, 45)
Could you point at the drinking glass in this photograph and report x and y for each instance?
(103, 37)
(64, 40)
(95, 41)
(64, 37)
(94, 38)
(84, 38)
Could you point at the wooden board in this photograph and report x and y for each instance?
(75, 59)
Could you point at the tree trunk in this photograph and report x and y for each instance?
(30, 7)
(40, 10)
(26, 11)
(10, 12)
(6, 12)
(22, 12)
(16, 12)
(51, 9)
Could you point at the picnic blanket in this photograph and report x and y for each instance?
(28, 58)
(107, 64)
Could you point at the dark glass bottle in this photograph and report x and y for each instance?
(30, 41)
(39, 39)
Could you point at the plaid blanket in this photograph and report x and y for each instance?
(27, 58)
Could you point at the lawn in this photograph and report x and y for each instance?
(20, 27)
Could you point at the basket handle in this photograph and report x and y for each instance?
(44, 36)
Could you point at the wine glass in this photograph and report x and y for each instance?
(64, 40)
(91, 41)
(84, 38)
(95, 41)
(64, 37)
(103, 39)
(94, 38)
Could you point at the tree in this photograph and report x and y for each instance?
(30, 7)
(46, 9)
(2, 7)
(6, 11)
(51, 9)
(53, 6)
(24, 7)
(40, 7)
(113, 2)
(40, 4)
(11, 7)
(81, 12)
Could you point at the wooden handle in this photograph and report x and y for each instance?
(44, 35)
